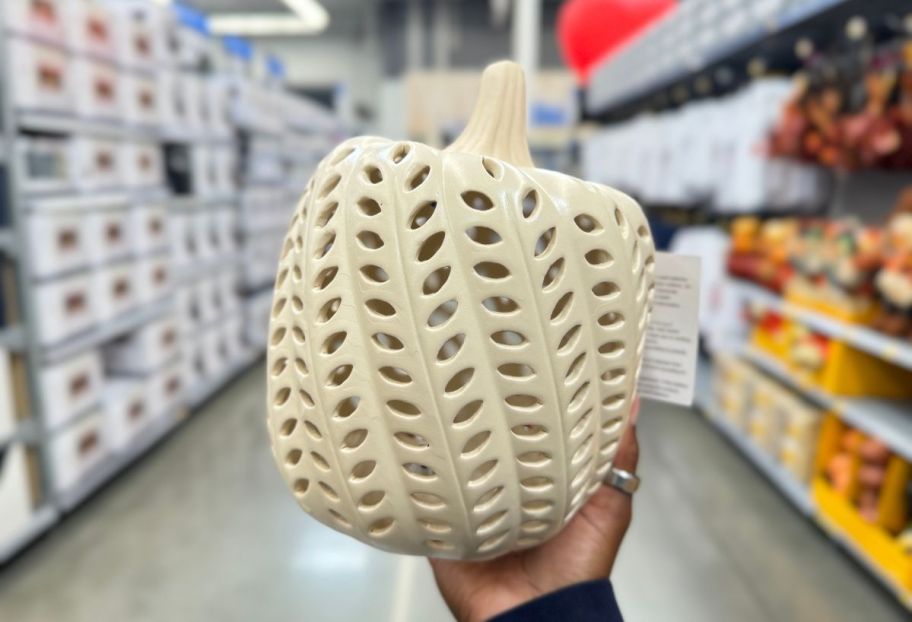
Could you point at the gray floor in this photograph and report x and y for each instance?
(203, 529)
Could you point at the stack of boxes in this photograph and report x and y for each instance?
(776, 419)
(130, 143)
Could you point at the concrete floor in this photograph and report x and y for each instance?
(203, 529)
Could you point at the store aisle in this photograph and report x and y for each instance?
(203, 529)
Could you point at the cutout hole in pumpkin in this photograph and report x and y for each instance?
(418, 177)
(339, 375)
(492, 168)
(451, 347)
(325, 277)
(404, 408)
(501, 305)
(422, 214)
(370, 240)
(478, 201)
(329, 310)
(373, 175)
(599, 257)
(467, 413)
(374, 274)
(491, 270)
(443, 313)
(529, 204)
(385, 341)
(380, 308)
(354, 439)
(435, 281)
(368, 206)
(483, 236)
(431, 246)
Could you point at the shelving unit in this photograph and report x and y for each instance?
(896, 351)
(884, 419)
(871, 416)
(211, 194)
(704, 48)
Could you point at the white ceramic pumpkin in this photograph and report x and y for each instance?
(456, 338)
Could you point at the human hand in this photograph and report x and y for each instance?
(584, 550)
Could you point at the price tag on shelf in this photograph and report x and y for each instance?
(670, 357)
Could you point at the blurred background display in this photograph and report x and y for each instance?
(152, 153)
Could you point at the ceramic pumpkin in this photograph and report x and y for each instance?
(455, 338)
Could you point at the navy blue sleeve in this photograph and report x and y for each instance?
(592, 601)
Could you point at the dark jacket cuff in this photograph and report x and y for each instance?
(592, 601)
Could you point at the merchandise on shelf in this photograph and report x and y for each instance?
(77, 449)
(864, 492)
(777, 420)
(825, 122)
(838, 267)
(828, 364)
(708, 152)
(894, 281)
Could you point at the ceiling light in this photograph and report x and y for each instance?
(265, 24)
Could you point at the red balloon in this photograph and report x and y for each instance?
(589, 31)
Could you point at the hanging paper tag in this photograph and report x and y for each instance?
(670, 356)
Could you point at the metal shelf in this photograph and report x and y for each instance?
(13, 338)
(24, 432)
(888, 420)
(105, 332)
(896, 351)
(8, 244)
(832, 530)
(772, 40)
(42, 520)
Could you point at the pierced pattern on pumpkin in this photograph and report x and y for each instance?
(449, 365)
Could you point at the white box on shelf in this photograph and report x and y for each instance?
(91, 28)
(46, 164)
(97, 163)
(143, 164)
(41, 19)
(165, 389)
(193, 363)
(70, 387)
(153, 276)
(64, 308)
(98, 89)
(141, 103)
(228, 284)
(108, 235)
(146, 349)
(148, 228)
(189, 313)
(43, 78)
(8, 414)
(223, 160)
(183, 249)
(173, 104)
(190, 87)
(76, 450)
(15, 492)
(233, 336)
(57, 242)
(126, 410)
(219, 104)
(215, 351)
(226, 229)
(213, 303)
(139, 33)
(203, 242)
(203, 171)
(116, 288)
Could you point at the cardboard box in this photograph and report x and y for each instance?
(57, 242)
(98, 89)
(64, 308)
(126, 411)
(44, 80)
(108, 234)
(149, 228)
(75, 450)
(97, 164)
(70, 388)
(145, 350)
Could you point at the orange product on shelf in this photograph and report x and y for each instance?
(870, 515)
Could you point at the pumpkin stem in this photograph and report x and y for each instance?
(497, 127)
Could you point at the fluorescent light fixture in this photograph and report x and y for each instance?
(265, 24)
